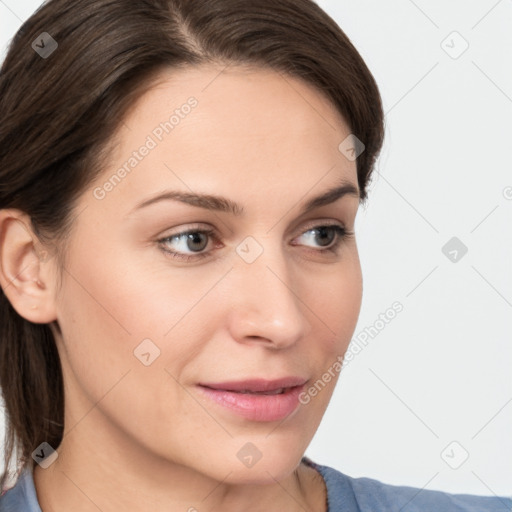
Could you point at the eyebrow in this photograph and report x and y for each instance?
(222, 204)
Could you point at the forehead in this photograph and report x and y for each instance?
(230, 89)
(231, 128)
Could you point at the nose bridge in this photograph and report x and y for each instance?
(267, 303)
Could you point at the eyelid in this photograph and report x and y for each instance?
(320, 222)
(192, 228)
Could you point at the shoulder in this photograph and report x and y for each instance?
(368, 495)
(22, 496)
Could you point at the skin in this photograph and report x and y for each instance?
(142, 437)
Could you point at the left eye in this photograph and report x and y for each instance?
(196, 241)
(323, 233)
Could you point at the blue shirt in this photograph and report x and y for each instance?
(344, 494)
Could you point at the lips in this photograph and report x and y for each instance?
(256, 399)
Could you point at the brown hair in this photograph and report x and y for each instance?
(58, 114)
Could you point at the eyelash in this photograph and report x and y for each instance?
(342, 234)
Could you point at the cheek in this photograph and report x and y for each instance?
(97, 343)
(335, 298)
(101, 327)
(115, 320)
(335, 302)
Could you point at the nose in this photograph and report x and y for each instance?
(266, 304)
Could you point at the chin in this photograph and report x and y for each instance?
(259, 463)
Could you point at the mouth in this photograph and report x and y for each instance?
(257, 385)
(256, 399)
(279, 391)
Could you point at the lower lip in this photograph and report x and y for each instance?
(257, 407)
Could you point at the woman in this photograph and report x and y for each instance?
(179, 270)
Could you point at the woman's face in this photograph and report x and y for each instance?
(149, 315)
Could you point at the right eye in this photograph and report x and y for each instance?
(193, 240)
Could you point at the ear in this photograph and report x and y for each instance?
(25, 269)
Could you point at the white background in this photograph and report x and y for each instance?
(441, 370)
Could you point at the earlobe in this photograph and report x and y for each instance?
(22, 278)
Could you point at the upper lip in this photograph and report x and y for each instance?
(256, 384)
